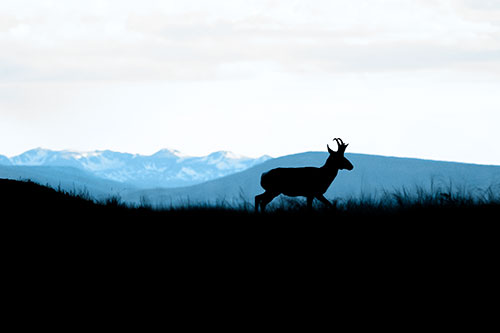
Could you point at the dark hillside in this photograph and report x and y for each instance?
(356, 234)
(27, 200)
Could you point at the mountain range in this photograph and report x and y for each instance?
(166, 168)
(170, 178)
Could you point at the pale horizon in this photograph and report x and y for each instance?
(418, 79)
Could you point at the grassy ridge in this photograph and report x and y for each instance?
(357, 240)
(27, 199)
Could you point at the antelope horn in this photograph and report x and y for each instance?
(340, 142)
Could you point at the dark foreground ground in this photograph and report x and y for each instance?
(418, 224)
(410, 260)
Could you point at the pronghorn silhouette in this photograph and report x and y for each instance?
(309, 182)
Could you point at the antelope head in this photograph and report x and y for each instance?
(336, 159)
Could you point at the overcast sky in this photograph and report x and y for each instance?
(414, 78)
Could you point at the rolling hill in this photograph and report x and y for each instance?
(372, 176)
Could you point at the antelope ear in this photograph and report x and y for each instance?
(329, 150)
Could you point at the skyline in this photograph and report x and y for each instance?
(396, 78)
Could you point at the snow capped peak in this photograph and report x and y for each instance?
(85, 154)
(168, 153)
(36, 152)
(37, 156)
(226, 160)
(226, 155)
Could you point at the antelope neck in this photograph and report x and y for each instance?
(329, 171)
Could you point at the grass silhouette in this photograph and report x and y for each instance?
(360, 240)
(25, 199)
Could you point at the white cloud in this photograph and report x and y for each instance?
(138, 74)
(125, 40)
